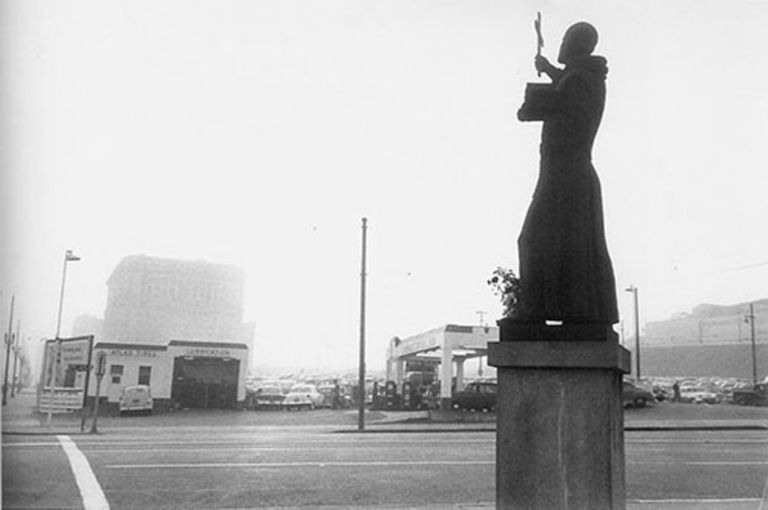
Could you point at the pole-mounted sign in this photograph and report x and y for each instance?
(101, 364)
(101, 369)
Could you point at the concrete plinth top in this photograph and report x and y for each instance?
(562, 354)
(568, 346)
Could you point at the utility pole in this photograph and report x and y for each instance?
(361, 378)
(751, 319)
(633, 290)
(8, 341)
(481, 315)
(16, 348)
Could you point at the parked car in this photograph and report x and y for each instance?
(268, 397)
(662, 393)
(476, 396)
(136, 398)
(751, 395)
(699, 395)
(634, 396)
(331, 392)
(327, 391)
(303, 396)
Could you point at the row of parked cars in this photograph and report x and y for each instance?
(707, 390)
(299, 396)
(481, 395)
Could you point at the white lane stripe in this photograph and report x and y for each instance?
(696, 441)
(90, 490)
(318, 464)
(181, 451)
(727, 463)
(148, 442)
(699, 462)
(692, 501)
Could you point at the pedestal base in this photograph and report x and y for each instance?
(560, 421)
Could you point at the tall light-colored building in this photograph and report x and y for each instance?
(153, 301)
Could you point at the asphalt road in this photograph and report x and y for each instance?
(212, 467)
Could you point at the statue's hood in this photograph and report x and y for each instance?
(591, 63)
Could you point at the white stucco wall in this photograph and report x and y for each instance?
(161, 360)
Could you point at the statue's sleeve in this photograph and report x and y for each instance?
(571, 101)
(542, 101)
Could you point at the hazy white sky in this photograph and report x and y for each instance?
(258, 133)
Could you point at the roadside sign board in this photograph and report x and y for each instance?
(73, 356)
(67, 366)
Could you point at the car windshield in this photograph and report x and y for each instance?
(270, 389)
(301, 389)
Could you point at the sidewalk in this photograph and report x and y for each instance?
(19, 416)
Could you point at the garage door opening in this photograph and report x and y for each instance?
(205, 383)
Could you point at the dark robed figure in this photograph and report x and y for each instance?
(565, 270)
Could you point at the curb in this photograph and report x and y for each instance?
(435, 427)
(391, 428)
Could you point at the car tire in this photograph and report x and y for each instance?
(640, 402)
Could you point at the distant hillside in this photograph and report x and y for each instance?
(720, 360)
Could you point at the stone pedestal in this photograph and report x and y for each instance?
(560, 421)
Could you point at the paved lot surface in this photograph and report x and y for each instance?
(270, 459)
(305, 468)
(19, 416)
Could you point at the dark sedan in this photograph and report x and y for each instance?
(632, 396)
(476, 396)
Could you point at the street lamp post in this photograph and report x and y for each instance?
(68, 257)
(633, 290)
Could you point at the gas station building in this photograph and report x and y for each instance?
(450, 346)
(181, 374)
